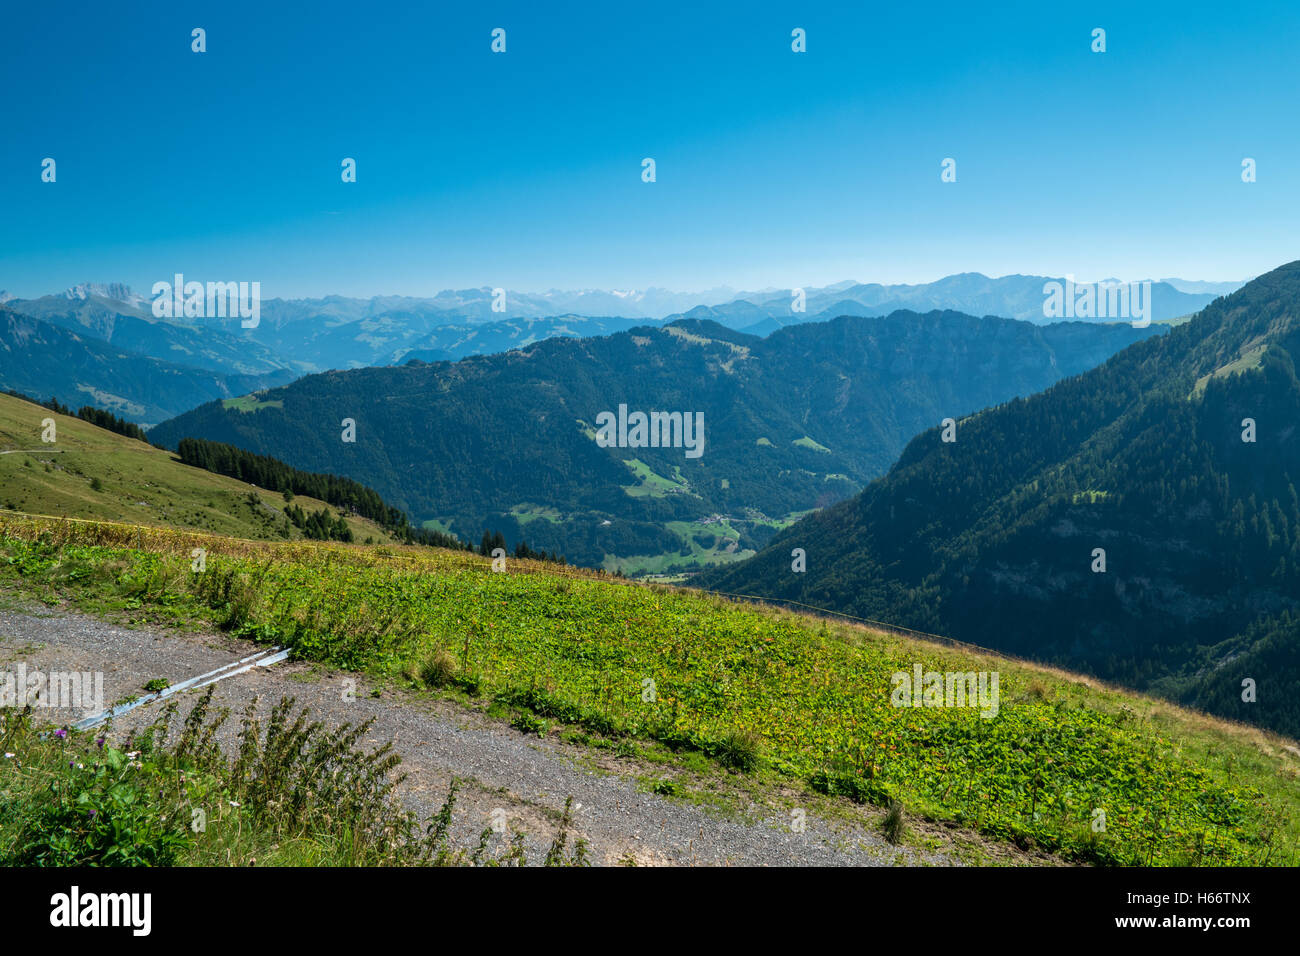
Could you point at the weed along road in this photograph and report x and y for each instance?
(506, 774)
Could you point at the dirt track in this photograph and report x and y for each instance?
(527, 776)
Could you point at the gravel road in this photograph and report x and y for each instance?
(526, 776)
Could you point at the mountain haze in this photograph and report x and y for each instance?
(1016, 296)
(123, 319)
(46, 360)
(317, 334)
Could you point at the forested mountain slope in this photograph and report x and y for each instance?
(1178, 458)
(795, 421)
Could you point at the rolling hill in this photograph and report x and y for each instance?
(1138, 522)
(794, 421)
(90, 472)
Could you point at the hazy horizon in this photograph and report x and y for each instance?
(143, 288)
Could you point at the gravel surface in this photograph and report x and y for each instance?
(501, 768)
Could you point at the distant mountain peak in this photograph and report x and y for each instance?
(117, 291)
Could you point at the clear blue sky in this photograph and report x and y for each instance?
(523, 170)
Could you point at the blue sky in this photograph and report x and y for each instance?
(523, 170)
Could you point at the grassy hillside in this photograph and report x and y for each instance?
(89, 472)
(794, 701)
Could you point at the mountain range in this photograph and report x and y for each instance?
(1015, 296)
(52, 360)
(312, 335)
(794, 421)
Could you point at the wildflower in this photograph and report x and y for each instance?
(10, 756)
(100, 742)
(90, 814)
(60, 733)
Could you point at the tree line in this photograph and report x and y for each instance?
(344, 493)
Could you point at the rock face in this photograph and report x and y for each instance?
(116, 291)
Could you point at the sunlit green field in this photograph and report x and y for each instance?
(761, 691)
